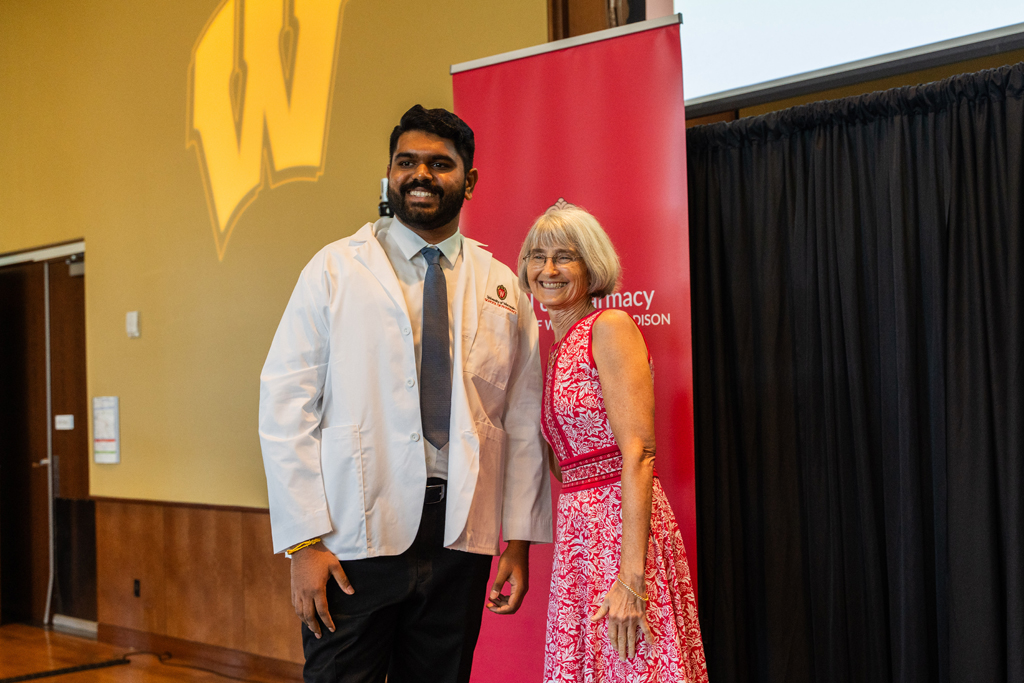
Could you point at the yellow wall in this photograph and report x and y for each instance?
(93, 133)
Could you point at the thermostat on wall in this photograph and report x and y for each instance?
(131, 324)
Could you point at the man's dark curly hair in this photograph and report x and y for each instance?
(441, 123)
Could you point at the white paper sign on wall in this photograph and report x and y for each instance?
(106, 440)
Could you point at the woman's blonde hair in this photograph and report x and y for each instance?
(575, 228)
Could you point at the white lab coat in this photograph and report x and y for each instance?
(340, 419)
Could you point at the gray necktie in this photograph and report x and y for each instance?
(436, 359)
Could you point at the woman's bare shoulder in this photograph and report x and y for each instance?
(615, 334)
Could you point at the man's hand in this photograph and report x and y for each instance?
(312, 567)
(514, 568)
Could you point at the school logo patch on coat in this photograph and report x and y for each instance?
(502, 293)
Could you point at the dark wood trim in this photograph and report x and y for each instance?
(68, 382)
(220, 659)
(558, 19)
(171, 503)
(730, 115)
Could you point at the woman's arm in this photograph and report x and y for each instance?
(621, 358)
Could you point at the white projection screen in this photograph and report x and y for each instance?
(744, 52)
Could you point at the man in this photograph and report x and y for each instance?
(399, 419)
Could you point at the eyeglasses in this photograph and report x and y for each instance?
(539, 259)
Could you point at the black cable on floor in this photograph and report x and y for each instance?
(126, 659)
(162, 658)
(66, 670)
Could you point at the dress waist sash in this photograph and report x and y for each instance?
(596, 468)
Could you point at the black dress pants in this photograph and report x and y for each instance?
(414, 617)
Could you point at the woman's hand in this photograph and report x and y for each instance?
(625, 612)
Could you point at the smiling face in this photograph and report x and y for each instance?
(427, 183)
(557, 277)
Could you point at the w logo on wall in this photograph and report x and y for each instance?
(261, 80)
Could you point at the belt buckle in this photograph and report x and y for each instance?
(435, 494)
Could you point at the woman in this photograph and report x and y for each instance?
(620, 567)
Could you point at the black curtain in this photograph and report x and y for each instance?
(858, 347)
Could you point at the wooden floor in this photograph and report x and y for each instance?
(27, 649)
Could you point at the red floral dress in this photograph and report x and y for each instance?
(589, 539)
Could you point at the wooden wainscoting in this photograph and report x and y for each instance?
(207, 576)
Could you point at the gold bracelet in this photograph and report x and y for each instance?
(296, 548)
(645, 599)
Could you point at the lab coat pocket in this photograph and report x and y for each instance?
(494, 348)
(341, 464)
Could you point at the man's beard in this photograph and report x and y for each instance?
(449, 206)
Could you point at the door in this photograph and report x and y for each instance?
(24, 496)
(42, 316)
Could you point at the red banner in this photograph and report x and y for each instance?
(599, 125)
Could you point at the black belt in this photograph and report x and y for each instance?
(435, 490)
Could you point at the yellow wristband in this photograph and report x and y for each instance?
(296, 548)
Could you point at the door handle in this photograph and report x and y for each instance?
(45, 462)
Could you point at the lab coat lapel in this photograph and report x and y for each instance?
(369, 253)
(470, 293)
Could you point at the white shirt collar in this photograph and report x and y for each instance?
(410, 244)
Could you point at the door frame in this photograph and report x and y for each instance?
(37, 254)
